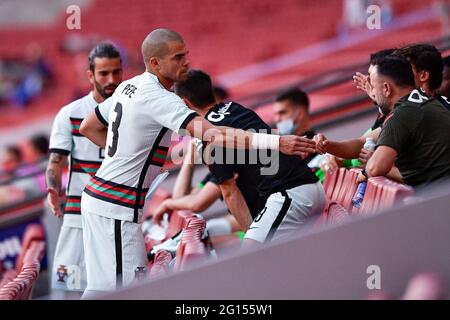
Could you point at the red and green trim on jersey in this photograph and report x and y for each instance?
(159, 156)
(75, 125)
(84, 166)
(115, 193)
(73, 205)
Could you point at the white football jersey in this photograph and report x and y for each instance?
(85, 156)
(141, 115)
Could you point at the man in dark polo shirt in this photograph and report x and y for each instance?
(416, 134)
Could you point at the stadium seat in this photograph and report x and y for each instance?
(330, 182)
(348, 189)
(177, 222)
(337, 214)
(21, 286)
(191, 246)
(382, 193)
(33, 232)
(161, 264)
(339, 185)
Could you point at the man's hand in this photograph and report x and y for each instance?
(159, 212)
(362, 83)
(295, 145)
(321, 143)
(54, 202)
(364, 156)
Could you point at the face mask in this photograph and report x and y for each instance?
(286, 127)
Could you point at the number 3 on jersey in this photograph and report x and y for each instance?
(115, 130)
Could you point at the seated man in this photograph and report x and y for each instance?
(412, 137)
(289, 195)
(291, 113)
(426, 63)
(361, 82)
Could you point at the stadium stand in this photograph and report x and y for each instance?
(18, 284)
(340, 186)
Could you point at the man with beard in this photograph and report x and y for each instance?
(412, 136)
(105, 74)
(361, 81)
(426, 63)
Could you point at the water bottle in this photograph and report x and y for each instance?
(359, 194)
(361, 190)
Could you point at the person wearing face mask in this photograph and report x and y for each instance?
(291, 111)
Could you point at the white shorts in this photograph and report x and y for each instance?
(114, 251)
(69, 269)
(286, 211)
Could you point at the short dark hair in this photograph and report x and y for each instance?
(446, 61)
(375, 56)
(425, 56)
(103, 50)
(197, 88)
(295, 96)
(220, 92)
(40, 143)
(15, 151)
(397, 69)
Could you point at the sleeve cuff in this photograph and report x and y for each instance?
(59, 151)
(188, 119)
(100, 117)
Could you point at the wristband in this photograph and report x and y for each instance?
(347, 163)
(265, 141)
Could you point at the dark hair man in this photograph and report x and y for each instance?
(412, 137)
(105, 74)
(288, 197)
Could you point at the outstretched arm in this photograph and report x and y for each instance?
(347, 149)
(240, 139)
(197, 202)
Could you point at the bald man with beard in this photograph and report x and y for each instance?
(135, 126)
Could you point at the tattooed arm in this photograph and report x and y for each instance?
(53, 179)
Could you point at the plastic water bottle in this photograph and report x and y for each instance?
(359, 194)
(361, 190)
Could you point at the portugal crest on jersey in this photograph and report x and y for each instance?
(61, 272)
